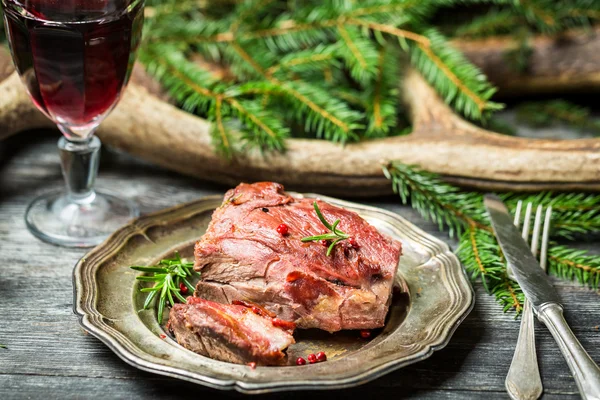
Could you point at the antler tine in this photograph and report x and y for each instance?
(428, 111)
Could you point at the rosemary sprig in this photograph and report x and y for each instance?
(336, 235)
(168, 276)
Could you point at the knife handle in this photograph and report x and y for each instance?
(585, 372)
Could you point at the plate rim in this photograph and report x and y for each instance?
(93, 324)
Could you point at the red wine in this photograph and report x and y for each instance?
(74, 56)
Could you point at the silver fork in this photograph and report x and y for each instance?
(523, 381)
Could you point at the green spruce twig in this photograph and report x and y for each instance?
(463, 215)
(382, 98)
(326, 70)
(444, 204)
(497, 21)
(458, 81)
(573, 214)
(573, 264)
(303, 65)
(546, 113)
(537, 16)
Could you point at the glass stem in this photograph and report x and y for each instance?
(79, 161)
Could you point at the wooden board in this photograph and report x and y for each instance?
(50, 357)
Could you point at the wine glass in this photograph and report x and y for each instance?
(75, 58)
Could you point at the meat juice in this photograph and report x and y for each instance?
(74, 56)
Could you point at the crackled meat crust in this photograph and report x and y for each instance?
(243, 257)
(234, 333)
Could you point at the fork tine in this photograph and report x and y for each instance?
(537, 225)
(545, 238)
(526, 222)
(517, 220)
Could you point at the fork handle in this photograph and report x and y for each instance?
(523, 381)
(585, 372)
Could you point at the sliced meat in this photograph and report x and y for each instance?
(239, 333)
(242, 256)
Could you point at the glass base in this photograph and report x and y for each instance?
(55, 219)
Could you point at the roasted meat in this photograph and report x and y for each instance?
(239, 333)
(243, 256)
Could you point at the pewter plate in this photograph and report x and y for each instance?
(438, 297)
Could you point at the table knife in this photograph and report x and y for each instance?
(543, 297)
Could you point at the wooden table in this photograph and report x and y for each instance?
(49, 356)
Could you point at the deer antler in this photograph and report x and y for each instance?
(441, 142)
(556, 64)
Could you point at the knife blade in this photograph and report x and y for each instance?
(533, 280)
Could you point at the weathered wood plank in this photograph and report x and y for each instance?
(85, 388)
(48, 354)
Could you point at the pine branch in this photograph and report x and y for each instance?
(546, 113)
(328, 117)
(188, 84)
(382, 97)
(478, 250)
(494, 22)
(263, 128)
(361, 55)
(317, 56)
(509, 294)
(386, 8)
(306, 61)
(292, 36)
(573, 214)
(500, 126)
(246, 10)
(463, 214)
(196, 91)
(245, 65)
(321, 113)
(436, 200)
(221, 136)
(550, 16)
(335, 23)
(313, 107)
(518, 57)
(573, 264)
(459, 82)
(538, 12)
(545, 16)
(573, 225)
(172, 27)
(402, 34)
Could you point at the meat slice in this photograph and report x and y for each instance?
(234, 333)
(242, 256)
